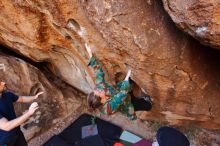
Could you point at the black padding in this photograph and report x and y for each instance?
(110, 133)
(91, 141)
(56, 141)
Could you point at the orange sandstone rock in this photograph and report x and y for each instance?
(180, 74)
(199, 18)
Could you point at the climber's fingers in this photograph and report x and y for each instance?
(88, 50)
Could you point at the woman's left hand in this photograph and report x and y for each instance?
(128, 75)
(37, 95)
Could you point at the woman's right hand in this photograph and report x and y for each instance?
(33, 107)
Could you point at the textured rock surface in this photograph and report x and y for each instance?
(24, 79)
(171, 67)
(199, 18)
(179, 73)
(45, 31)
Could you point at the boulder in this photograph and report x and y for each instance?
(199, 18)
(48, 31)
(178, 72)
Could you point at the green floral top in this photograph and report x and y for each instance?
(119, 99)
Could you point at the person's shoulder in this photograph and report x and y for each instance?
(10, 95)
(7, 93)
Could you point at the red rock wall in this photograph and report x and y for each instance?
(173, 68)
(179, 73)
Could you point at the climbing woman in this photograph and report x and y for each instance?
(107, 98)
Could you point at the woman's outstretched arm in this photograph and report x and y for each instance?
(128, 75)
(99, 73)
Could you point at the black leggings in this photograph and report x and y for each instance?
(140, 104)
(16, 140)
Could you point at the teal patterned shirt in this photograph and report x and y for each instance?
(119, 99)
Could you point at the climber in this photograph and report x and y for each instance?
(108, 98)
(10, 133)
